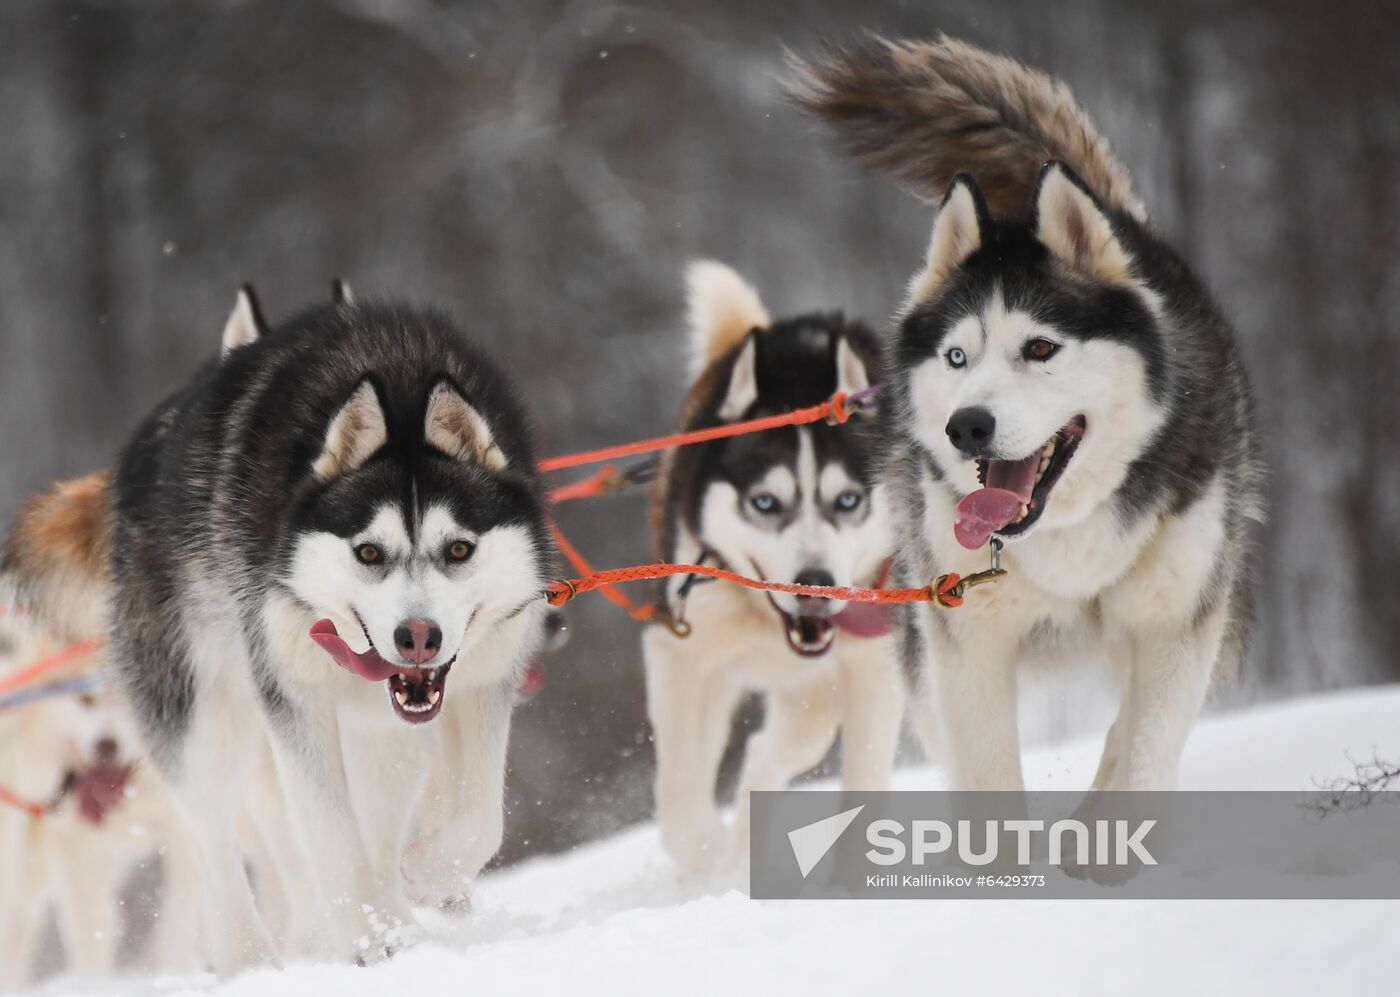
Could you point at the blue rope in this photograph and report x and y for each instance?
(67, 687)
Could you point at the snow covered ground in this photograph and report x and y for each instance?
(613, 918)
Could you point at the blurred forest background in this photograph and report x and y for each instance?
(545, 169)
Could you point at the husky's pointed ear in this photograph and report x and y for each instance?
(355, 434)
(458, 430)
(722, 309)
(341, 292)
(957, 234)
(851, 374)
(245, 323)
(1070, 223)
(743, 382)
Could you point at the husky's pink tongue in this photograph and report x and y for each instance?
(865, 619)
(983, 512)
(100, 788)
(368, 665)
(868, 619)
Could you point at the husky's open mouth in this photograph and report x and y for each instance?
(416, 694)
(1015, 492)
(812, 634)
(809, 636)
(97, 788)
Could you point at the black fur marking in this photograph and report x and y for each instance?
(795, 363)
(1193, 370)
(259, 323)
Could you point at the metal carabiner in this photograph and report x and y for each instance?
(994, 573)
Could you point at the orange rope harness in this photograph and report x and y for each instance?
(47, 664)
(607, 590)
(836, 408)
(946, 590)
(34, 810)
(603, 482)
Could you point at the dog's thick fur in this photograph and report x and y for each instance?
(744, 365)
(1048, 305)
(242, 509)
(57, 568)
(55, 563)
(925, 111)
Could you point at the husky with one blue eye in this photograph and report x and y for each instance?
(1062, 384)
(797, 504)
(331, 543)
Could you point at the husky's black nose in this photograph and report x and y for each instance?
(971, 429)
(814, 605)
(418, 640)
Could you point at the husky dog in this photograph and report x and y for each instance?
(107, 812)
(112, 808)
(56, 564)
(1061, 383)
(792, 505)
(356, 488)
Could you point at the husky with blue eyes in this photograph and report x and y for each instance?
(788, 505)
(331, 543)
(1060, 384)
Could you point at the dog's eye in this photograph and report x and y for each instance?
(956, 358)
(88, 700)
(1040, 349)
(848, 500)
(368, 554)
(459, 550)
(766, 503)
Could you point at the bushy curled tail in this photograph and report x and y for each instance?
(924, 111)
(54, 571)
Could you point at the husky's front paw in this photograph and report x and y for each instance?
(379, 935)
(441, 884)
(1103, 875)
(699, 853)
(1101, 813)
(458, 905)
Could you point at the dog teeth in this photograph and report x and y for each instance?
(402, 697)
(433, 697)
(1025, 511)
(1050, 448)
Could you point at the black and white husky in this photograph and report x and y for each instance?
(1059, 382)
(360, 482)
(792, 505)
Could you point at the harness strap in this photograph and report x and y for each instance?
(946, 590)
(837, 409)
(49, 663)
(34, 810)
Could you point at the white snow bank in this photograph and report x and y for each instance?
(613, 918)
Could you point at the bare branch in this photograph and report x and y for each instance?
(1356, 791)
